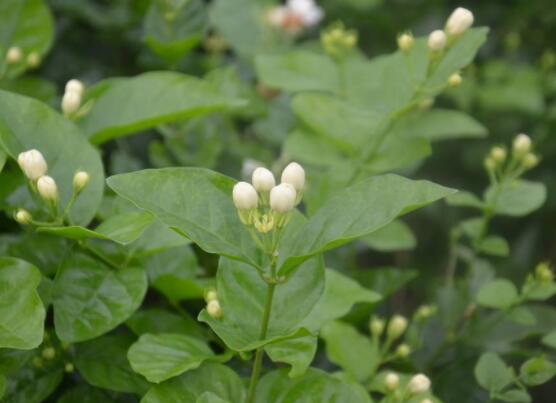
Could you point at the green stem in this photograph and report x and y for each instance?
(65, 214)
(259, 354)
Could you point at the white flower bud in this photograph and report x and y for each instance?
(211, 295)
(214, 309)
(71, 101)
(455, 80)
(459, 21)
(522, 144)
(306, 10)
(530, 160)
(282, 198)
(391, 381)
(22, 216)
(276, 16)
(294, 174)
(245, 196)
(32, 164)
(33, 59)
(263, 180)
(403, 350)
(396, 326)
(376, 326)
(420, 383)
(47, 188)
(80, 180)
(405, 42)
(75, 85)
(498, 154)
(14, 55)
(437, 40)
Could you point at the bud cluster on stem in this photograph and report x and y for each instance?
(213, 304)
(14, 56)
(500, 167)
(338, 41)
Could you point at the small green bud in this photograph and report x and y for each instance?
(69, 368)
(522, 145)
(48, 353)
(38, 362)
(405, 42)
(455, 80)
(22, 216)
(376, 326)
(530, 161)
(396, 327)
(543, 273)
(210, 295)
(403, 350)
(498, 154)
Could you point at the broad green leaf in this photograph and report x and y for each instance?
(32, 385)
(209, 377)
(209, 397)
(62, 144)
(352, 351)
(33, 87)
(129, 105)
(347, 216)
(85, 394)
(103, 363)
(385, 280)
(397, 153)
(515, 396)
(28, 25)
(155, 321)
(522, 315)
(495, 245)
(11, 360)
(172, 29)
(465, 199)
(242, 295)
(122, 228)
(91, 299)
(164, 356)
(206, 215)
(308, 147)
(314, 387)
(3, 158)
(492, 373)
(518, 198)
(298, 71)
(22, 313)
(550, 339)
(395, 236)
(536, 371)
(155, 239)
(498, 294)
(298, 352)
(339, 296)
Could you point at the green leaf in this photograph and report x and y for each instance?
(164, 356)
(122, 228)
(12, 360)
(102, 362)
(465, 199)
(22, 313)
(298, 71)
(84, 394)
(495, 246)
(172, 30)
(32, 385)
(298, 352)
(517, 199)
(347, 216)
(209, 377)
(28, 25)
(314, 387)
(209, 397)
(515, 396)
(537, 370)
(62, 144)
(395, 236)
(385, 280)
(339, 296)
(155, 321)
(352, 351)
(91, 299)
(33, 87)
(3, 158)
(2, 385)
(492, 373)
(397, 153)
(498, 294)
(550, 339)
(242, 295)
(206, 216)
(522, 315)
(120, 109)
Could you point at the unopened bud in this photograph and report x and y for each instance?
(214, 309)
(455, 80)
(282, 198)
(426, 103)
(530, 161)
(420, 383)
(211, 295)
(48, 189)
(522, 144)
(48, 353)
(396, 326)
(33, 59)
(69, 368)
(14, 55)
(459, 21)
(245, 196)
(32, 163)
(543, 273)
(425, 312)
(294, 174)
(436, 41)
(403, 350)
(376, 326)
(80, 180)
(263, 180)
(391, 381)
(498, 154)
(22, 216)
(71, 101)
(75, 85)
(405, 42)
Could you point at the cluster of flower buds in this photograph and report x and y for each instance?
(34, 166)
(15, 55)
(522, 156)
(418, 384)
(213, 305)
(265, 205)
(295, 15)
(71, 101)
(337, 41)
(540, 284)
